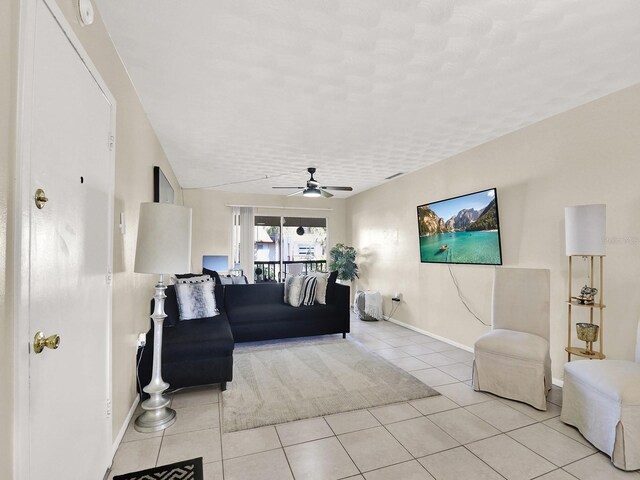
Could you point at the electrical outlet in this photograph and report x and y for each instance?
(142, 340)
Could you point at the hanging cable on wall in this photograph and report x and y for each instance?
(394, 307)
(462, 299)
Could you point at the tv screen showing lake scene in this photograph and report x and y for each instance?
(463, 229)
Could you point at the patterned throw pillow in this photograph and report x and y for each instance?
(309, 287)
(196, 300)
(321, 290)
(191, 279)
(292, 289)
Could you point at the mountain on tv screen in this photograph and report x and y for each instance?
(462, 229)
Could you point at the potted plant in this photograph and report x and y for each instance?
(343, 260)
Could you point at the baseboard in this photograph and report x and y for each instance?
(425, 332)
(123, 429)
(556, 381)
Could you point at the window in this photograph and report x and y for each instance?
(289, 244)
(306, 250)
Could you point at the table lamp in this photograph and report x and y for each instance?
(164, 246)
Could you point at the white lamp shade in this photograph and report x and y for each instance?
(164, 239)
(585, 229)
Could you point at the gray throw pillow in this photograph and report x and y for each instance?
(196, 300)
(292, 289)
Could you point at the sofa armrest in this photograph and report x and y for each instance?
(342, 300)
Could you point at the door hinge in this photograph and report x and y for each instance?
(108, 407)
(111, 141)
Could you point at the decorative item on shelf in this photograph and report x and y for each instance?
(587, 332)
(585, 230)
(343, 260)
(586, 295)
(163, 246)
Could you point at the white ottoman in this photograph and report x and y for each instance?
(601, 398)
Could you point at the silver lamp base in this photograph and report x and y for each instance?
(154, 420)
(157, 414)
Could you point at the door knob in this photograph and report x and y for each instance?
(39, 342)
(40, 199)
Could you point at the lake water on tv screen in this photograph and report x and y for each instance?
(463, 247)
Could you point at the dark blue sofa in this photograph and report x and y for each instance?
(200, 352)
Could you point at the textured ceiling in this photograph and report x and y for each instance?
(362, 89)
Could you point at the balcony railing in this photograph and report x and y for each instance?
(270, 271)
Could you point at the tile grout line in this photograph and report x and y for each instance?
(464, 407)
(284, 452)
(220, 433)
(472, 453)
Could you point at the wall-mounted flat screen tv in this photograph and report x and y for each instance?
(462, 229)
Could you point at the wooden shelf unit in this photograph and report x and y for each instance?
(599, 307)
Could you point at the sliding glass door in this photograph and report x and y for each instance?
(289, 246)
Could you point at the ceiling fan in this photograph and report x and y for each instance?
(313, 188)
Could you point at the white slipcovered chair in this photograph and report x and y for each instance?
(512, 360)
(601, 398)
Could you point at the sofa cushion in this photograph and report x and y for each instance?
(253, 294)
(197, 338)
(281, 312)
(618, 380)
(509, 343)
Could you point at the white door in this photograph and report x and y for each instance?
(70, 251)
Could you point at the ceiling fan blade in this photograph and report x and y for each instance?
(326, 194)
(295, 193)
(291, 188)
(343, 189)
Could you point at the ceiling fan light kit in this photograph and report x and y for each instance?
(314, 189)
(311, 192)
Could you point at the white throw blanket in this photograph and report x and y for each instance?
(373, 304)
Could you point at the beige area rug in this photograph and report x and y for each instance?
(278, 383)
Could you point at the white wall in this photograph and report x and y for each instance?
(588, 155)
(137, 151)
(212, 217)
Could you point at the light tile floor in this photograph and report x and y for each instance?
(461, 434)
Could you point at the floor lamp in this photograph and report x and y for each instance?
(164, 246)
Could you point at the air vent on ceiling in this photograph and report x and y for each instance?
(394, 175)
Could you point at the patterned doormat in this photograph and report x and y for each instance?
(185, 470)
